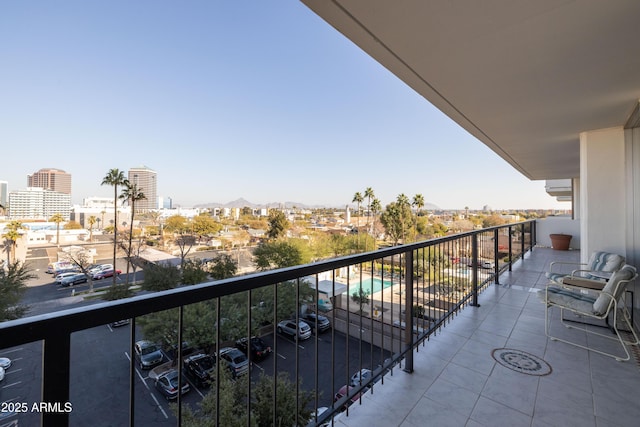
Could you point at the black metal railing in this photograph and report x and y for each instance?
(383, 304)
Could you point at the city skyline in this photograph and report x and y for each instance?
(266, 103)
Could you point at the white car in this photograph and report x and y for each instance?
(1, 374)
(61, 276)
(361, 376)
(5, 362)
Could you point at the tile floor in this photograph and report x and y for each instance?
(456, 381)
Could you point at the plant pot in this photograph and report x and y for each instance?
(560, 242)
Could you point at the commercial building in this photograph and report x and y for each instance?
(51, 179)
(38, 203)
(146, 181)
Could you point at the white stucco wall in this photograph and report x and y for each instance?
(602, 191)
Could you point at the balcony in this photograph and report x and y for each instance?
(456, 381)
(473, 293)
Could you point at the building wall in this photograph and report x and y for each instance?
(602, 192)
(146, 181)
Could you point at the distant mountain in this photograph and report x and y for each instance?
(241, 203)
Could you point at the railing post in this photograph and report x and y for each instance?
(474, 270)
(510, 248)
(408, 314)
(522, 240)
(496, 249)
(55, 379)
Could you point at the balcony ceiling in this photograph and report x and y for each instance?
(524, 77)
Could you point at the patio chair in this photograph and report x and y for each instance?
(599, 267)
(589, 298)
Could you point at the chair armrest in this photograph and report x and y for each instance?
(582, 283)
(559, 263)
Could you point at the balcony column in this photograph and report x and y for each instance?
(602, 192)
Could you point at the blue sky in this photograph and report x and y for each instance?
(228, 99)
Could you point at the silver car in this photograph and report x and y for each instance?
(289, 327)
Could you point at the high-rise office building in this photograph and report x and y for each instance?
(4, 194)
(145, 180)
(51, 179)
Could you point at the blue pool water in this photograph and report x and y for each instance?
(372, 285)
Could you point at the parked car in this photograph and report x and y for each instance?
(105, 273)
(259, 349)
(236, 361)
(199, 368)
(73, 279)
(5, 362)
(59, 277)
(119, 323)
(1, 374)
(344, 390)
(148, 354)
(310, 319)
(289, 327)
(487, 265)
(72, 270)
(99, 267)
(362, 375)
(167, 384)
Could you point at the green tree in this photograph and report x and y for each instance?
(361, 297)
(278, 224)
(205, 225)
(176, 224)
(160, 277)
(376, 208)
(285, 406)
(57, 218)
(82, 259)
(396, 218)
(131, 193)
(223, 267)
(193, 272)
(72, 225)
(114, 178)
(278, 254)
(13, 284)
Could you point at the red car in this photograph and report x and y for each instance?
(343, 392)
(105, 273)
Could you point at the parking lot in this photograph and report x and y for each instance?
(100, 369)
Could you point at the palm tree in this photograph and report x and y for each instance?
(102, 220)
(57, 218)
(403, 202)
(11, 237)
(368, 193)
(114, 178)
(376, 207)
(357, 198)
(418, 203)
(131, 193)
(92, 221)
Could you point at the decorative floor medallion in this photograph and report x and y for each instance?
(521, 361)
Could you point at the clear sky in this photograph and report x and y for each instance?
(227, 99)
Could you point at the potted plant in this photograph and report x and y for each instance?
(560, 241)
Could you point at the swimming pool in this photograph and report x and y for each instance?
(371, 284)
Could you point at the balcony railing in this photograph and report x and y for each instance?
(384, 304)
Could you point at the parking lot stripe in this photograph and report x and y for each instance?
(159, 406)
(12, 384)
(10, 351)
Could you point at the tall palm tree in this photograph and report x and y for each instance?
(102, 220)
(418, 203)
(368, 193)
(92, 221)
(357, 198)
(57, 218)
(131, 194)
(376, 207)
(114, 178)
(403, 205)
(11, 236)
